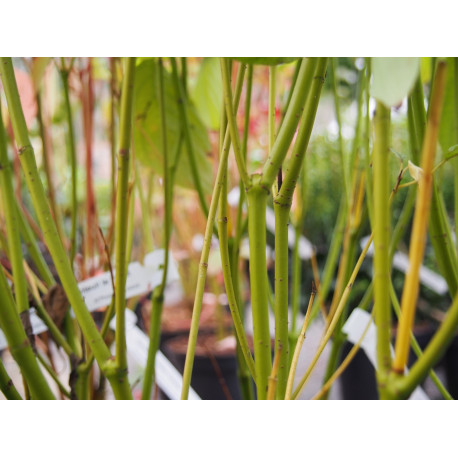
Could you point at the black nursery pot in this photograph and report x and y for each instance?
(359, 381)
(213, 378)
(451, 368)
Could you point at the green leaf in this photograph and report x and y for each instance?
(266, 60)
(393, 78)
(447, 135)
(206, 94)
(147, 129)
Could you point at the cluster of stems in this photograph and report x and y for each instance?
(268, 369)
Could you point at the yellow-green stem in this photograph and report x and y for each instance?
(281, 295)
(455, 162)
(257, 202)
(12, 225)
(439, 228)
(30, 241)
(47, 166)
(233, 129)
(297, 350)
(282, 207)
(401, 386)
(122, 206)
(348, 359)
(232, 300)
(344, 172)
(73, 164)
(19, 344)
(203, 265)
(382, 229)
(420, 224)
(158, 295)
(416, 347)
(288, 127)
(58, 253)
(334, 321)
(181, 100)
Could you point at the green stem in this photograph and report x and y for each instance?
(53, 328)
(297, 350)
(203, 265)
(225, 260)
(455, 162)
(439, 228)
(112, 135)
(332, 258)
(285, 193)
(282, 207)
(231, 119)
(122, 207)
(257, 202)
(130, 221)
(84, 368)
(73, 163)
(281, 296)
(345, 270)
(420, 224)
(402, 386)
(58, 254)
(184, 75)
(291, 89)
(19, 344)
(382, 228)
(182, 103)
(416, 347)
(30, 242)
(224, 249)
(334, 321)
(403, 220)
(53, 375)
(47, 166)
(155, 338)
(272, 93)
(406, 212)
(367, 143)
(434, 61)
(12, 225)
(296, 285)
(339, 125)
(158, 295)
(359, 118)
(202, 275)
(245, 378)
(239, 221)
(288, 127)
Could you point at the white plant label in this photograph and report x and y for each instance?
(168, 378)
(354, 328)
(97, 291)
